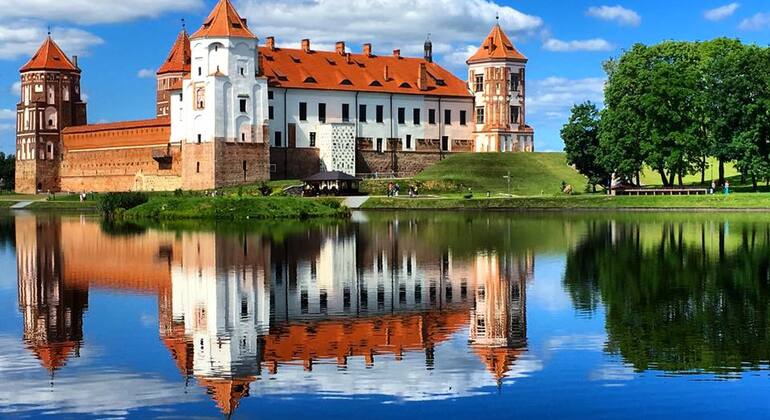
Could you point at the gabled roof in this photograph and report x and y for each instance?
(49, 57)
(224, 21)
(178, 60)
(331, 176)
(496, 46)
(299, 69)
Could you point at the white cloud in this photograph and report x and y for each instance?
(618, 14)
(757, 22)
(23, 38)
(556, 95)
(721, 12)
(146, 74)
(7, 114)
(596, 44)
(92, 11)
(16, 88)
(454, 24)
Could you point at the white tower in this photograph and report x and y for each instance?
(223, 101)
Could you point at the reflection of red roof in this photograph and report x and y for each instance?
(227, 392)
(361, 337)
(496, 46)
(327, 70)
(224, 21)
(53, 356)
(497, 359)
(178, 60)
(181, 348)
(49, 57)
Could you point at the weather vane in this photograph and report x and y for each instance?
(49, 30)
(184, 25)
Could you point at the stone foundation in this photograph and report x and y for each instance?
(294, 163)
(400, 163)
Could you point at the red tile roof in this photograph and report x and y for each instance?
(121, 134)
(224, 21)
(49, 57)
(178, 60)
(496, 46)
(327, 70)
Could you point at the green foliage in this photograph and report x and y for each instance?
(581, 143)
(7, 172)
(235, 208)
(673, 106)
(111, 203)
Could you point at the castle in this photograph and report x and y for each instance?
(231, 111)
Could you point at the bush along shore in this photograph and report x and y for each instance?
(233, 208)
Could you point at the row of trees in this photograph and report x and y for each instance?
(7, 171)
(670, 107)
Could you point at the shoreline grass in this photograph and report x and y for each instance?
(236, 208)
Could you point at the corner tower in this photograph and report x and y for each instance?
(50, 101)
(172, 72)
(496, 76)
(224, 106)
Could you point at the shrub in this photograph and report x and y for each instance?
(111, 202)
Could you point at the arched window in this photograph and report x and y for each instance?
(51, 122)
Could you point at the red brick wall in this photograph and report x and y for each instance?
(294, 163)
(230, 159)
(198, 166)
(120, 170)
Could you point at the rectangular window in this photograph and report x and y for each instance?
(463, 117)
(197, 167)
(200, 71)
(243, 71)
(431, 116)
(200, 138)
(277, 139)
(402, 115)
(270, 112)
(303, 111)
(447, 117)
(379, 145)
(514, 115)
(514, 82)
(345, 112)
(312, 139)
(380, 113)
(416, 116)
(362, 113)
(478, 83)
(270, 94)
(445, 143)
(243, 105)
(479, 115)
(322, 112)
(408, 142)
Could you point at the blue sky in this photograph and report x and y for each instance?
(121, 42)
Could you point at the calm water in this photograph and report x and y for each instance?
(391, 315)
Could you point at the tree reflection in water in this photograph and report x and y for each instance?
(679, 296)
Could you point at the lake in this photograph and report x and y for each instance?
(390, 315)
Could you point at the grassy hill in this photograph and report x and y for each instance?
(652, 178)
(531, 173)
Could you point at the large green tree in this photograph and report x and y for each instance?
(581, 143)
(7, 171)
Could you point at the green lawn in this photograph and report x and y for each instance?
(531, 174)
(651, 178)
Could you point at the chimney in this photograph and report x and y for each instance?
(348, 58)
(271, 43)
(368, 50)
(245, 22)
(386, 73)
(306, 45)
(422, 77)
(397, 53)
(75, 61)
(340, 47)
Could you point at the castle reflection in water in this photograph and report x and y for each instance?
(235, 307)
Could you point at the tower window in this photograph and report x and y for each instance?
(197, 167)
(270, 113)
(243, 137)
(514, 115)
(515, 82)
(243, 105)
(200, 138)
(479, 115)
(478, 82)
(243, 71)
(270, 94)
(200, 71)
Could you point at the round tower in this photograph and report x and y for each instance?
(496, 76)
(50, 101)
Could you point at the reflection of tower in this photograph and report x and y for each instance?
(53, 313)
(498, 329)
(219, 299)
